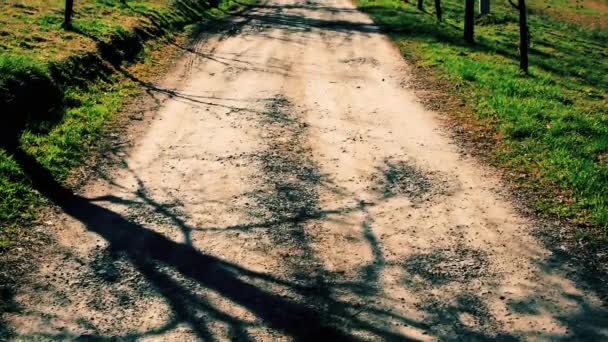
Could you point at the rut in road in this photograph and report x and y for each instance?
(290, 187)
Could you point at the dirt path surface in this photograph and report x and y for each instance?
(291, 188)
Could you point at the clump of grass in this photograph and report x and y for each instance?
(62, 146)
(552, 126)
(18, 199)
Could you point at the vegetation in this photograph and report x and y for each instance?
(60, 88)
(589, 13)
(550, 127)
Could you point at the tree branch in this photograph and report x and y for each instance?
(513, 4)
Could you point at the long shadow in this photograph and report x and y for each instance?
(150, 252)
(293, 22)
(444, 33)
(313, 7)
(370, 273)
(147, 249)
(407, 23)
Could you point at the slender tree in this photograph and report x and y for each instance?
(438, 9)
(421, 5)
(524, 34)
(484, 7)
(69, 9)
(469, 21)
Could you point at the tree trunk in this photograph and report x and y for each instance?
(524, 37)
(420, 5)
(69, 8)
(438, 9)
(469, 21)
(484, 7)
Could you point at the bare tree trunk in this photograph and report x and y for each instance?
(438, 9)
(421, 5)
(524, 37)
(524, 34)
(69, 9)
(469, 21)
(484, 7)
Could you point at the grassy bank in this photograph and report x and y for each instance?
(550, 129)
(590, 13)
(60, 89)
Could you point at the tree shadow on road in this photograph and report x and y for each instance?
(148, 251)
(161, 261)
(157, 258)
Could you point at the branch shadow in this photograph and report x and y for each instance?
(155, 256)
(147, 250)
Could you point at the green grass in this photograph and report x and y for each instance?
(551, 127)
(589, 13)
(31, 28)
(59, 104)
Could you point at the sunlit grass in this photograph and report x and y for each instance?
(33, 27)
(551, 126)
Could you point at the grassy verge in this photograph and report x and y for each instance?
(590, 13)
(57, 99)
(550, 129)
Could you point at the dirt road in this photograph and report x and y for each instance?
(291, 188)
